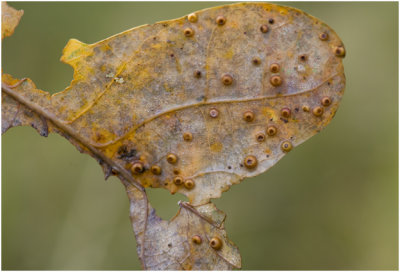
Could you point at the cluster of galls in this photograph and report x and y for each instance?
(138, 167)
(188, 183)
(173, 159)
(250, 162)
(274, 80)
(215, 242)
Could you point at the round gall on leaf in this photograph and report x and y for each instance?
(188, 32)
(227, 79)
(248, 116)
(286, 146)
(216, 243)
(274, 68)
(272, 130)
(326, 101)
(286, 112)
(137, 168)
(156, 170)
(187, 136)
(172, 158)
(197, 239)
(264, 28)
(260, 137)
(250, 162)
(178, 180)
(189, 184)
(276, 81)
(192, 17)
(214, 113)
(220, 20)
(318, 111)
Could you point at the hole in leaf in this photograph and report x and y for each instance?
(165, 204)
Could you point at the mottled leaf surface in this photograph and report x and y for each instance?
(137, 93)
(192, 105)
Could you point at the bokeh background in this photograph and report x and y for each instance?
(332, 203)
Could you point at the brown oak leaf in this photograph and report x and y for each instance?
(192, 105)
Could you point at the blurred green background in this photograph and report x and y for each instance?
(332, 203)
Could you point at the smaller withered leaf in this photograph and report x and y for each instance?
(195, 239)
(10, 18)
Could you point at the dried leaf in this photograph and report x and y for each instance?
(136, 94)
(192, 105)
(9, 19)
(183, 243)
